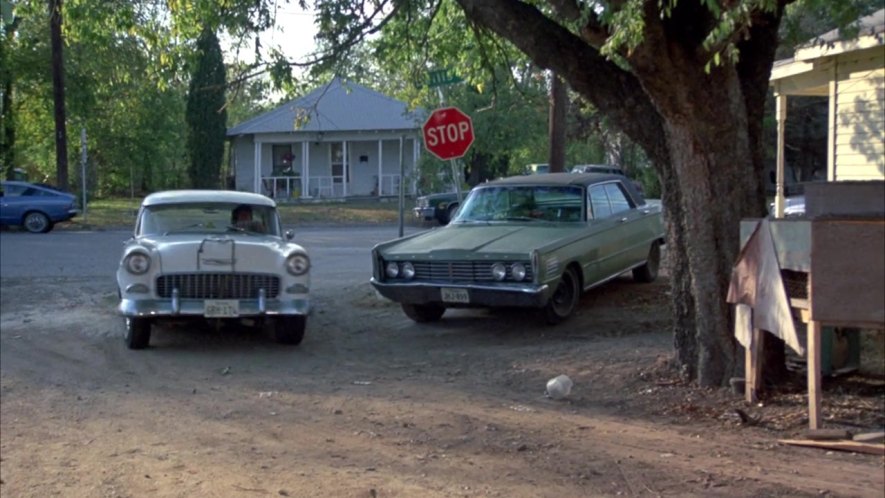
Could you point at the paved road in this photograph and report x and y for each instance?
(340, 255)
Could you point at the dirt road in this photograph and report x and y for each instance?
(373, 405)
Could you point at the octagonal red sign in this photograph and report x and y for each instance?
(448, 133)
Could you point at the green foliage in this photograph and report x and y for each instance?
(503, 93)
(128, 65)
(205, 114)
(127, 73)
(626, 25)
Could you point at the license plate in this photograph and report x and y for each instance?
(450, 295)
(221, 308)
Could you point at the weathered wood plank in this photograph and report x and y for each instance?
(814, 376)
(846, 270)
(871, 448)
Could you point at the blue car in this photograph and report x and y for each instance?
(37, 208)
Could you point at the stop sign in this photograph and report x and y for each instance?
(448, 133)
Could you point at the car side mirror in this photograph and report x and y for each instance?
(289, 234)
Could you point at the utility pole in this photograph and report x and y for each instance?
(58, 94)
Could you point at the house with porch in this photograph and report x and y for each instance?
(850, 72)
(340, 140)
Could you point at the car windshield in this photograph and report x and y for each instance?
(523, 203)
(165, 219)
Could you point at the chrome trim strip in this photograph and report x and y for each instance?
(521, 288)
(194, 307)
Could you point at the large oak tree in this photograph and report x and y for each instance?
(687, 81)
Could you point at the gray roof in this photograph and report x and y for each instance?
(337, 106)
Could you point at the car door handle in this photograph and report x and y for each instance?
(623, 220)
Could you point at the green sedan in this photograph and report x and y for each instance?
(533, 241)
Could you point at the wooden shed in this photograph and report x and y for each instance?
(826, 264)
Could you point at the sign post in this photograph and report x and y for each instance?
(448, 134)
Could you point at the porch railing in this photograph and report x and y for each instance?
(290, 187)
(282, 187)
(323, 186)
(390, 184)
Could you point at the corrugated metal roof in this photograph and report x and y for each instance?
(337, 106)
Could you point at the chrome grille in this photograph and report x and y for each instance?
(471, 271)
(218, 285)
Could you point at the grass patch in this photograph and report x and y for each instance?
(341, 212)
(109, 213)
(120, 212)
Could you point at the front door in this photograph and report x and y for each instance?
(340, 170)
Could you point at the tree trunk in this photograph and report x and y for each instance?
(701, 130)
(681, 300)
(7, 113)
(58, 93)
(557, 123)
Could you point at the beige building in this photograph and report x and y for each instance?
(851, 73)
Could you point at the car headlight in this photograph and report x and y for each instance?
(137, 263)
(499, 271)
(392, 269)
(408, 270)
(517, 271)
(298, 264)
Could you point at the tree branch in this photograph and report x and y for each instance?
(614, 91)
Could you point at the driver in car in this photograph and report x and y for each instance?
(242, 218)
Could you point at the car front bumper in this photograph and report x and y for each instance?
(248, 308)
(522, 296)
(424, 213)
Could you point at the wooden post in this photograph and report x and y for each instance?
(753, 367)
(814, 378)
(781, 117)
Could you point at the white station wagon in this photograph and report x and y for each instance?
(218, 255)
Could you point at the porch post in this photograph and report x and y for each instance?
(256, 184)
(832, 124)
(346, 167)
(402, 168)
(305, 191)
(380, 169)
(781, 115)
